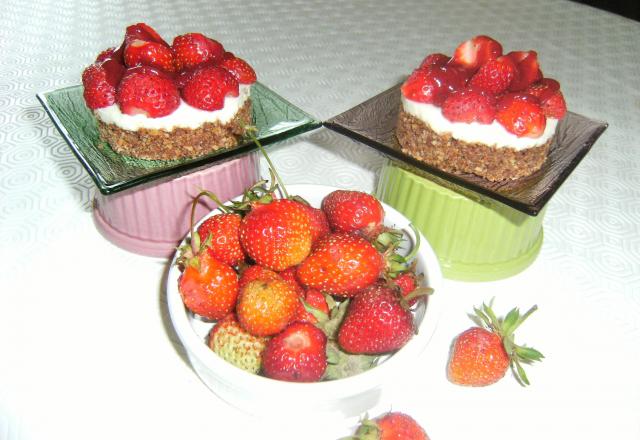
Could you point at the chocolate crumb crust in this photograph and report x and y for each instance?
(454, 156)
(179, 143)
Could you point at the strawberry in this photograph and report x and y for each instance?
(256, 272)
(495, 75)
(555, 106)
(207, 88)
(220, 233)
(239, 68)
(99, 90)
(105, 54)
(265, 307)
(193, 49)
(235, 345)
(434, 59)
(391, 426)
(341, 264)
(353, 211)
(314, 305)
(432, 84)
(407, 283)
(317, 222)
(475, 52)
(142, 31)
(276, 235)
(543, 89)
(521, 115)
(481, 355)
(297, 354)
(148, 91)
(528, 70)
(149, 53)
(208, 287)
(289, 275)
(470, 105)
(376, 322)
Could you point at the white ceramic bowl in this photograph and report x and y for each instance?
(349, 397)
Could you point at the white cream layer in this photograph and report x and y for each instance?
(493, 134)
(184, 116)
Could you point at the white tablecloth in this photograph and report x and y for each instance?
(86, 347)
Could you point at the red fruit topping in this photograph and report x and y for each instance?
(495, 75)
(99, 81)
(528, 70)
(470, 105)
(220, 234)
(297, 354)
(149, 53)
(207, 88)
(555, 106)
(142, 31)
(145, 90)
(475, 52)
(435, 59)
(543, 89)
(354, 211)
(193, 49)
(433, 84)
(239, 68)
(107, 53)
(521, 115)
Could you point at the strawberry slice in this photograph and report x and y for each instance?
(148, 53)
(495, 75)
(470, 105)
(475, 52)
(521, 114)
(434, 59)
(208, 86)
(148, 91)
(239, 68)
(528, 70)
(194, 48)
(433, 84)
(142, 31)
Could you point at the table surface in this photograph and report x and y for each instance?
(86, 345)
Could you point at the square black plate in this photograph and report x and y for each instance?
(374, 121)
(274, 117)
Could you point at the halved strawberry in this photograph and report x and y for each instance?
(528, 70)
(194, 48)
(148, 91)
(107, 53)
(543, 89)
(142, 31)
(208, 86)
(495, 75)
(434, 59)
(521, 115)
(149, 53)
(475, 52)
(555, 106)
(99, 91)
(470, 105)
(432, 84)
(239, 68)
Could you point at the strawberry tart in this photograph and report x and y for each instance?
(153, 100)
(480, 111)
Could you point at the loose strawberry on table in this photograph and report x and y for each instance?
(391, 426)
(481, 355)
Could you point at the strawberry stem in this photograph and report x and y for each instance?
(195, 238)
(272, 168)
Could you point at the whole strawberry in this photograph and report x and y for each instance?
(481, 355)
(208, 287)
(376, 322)
(239, 68)
(220, 234)
(256, 272)
(276, 235)
(353, 211)
(341, 264)
(208, 86)
(99, 90)
(495, 75)
(521, 114)
(297, 354)
(148, 91)
(391, 426)
(471, 104)
(235, 345)
(433, 83)
(266, 307)
(193, 49)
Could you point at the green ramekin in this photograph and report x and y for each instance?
(474, 237)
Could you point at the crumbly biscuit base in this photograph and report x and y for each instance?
(442, 151)
(178, 143)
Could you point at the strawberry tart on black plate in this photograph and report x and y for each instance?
(153, 100)
(480, 111)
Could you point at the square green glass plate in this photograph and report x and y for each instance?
(275, 118)
(373, 123)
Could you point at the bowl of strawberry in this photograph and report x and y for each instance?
(309, 293)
